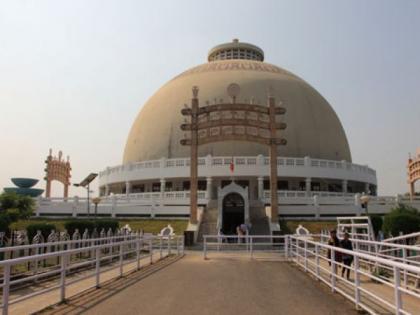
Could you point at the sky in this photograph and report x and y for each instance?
(74, 74)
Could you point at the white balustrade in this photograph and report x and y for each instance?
(244, 166)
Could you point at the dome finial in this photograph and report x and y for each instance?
(236, 50)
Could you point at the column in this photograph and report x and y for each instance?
(209, 188)
(308, 186)
(162, 187)
(316, 205)
(75, 206)
(114, 206)
(411, 191)
(367, 192)
(106, 190)
(307, 161)
(344, 186)
(127, 188)
(260, 188)
(357, 204)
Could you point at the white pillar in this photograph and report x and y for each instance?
(307, 161)
(127, 188)
(260, 188)
(162, 191)
(367, 192)
(209, 188)
(209, 160)
(75, 206)
(308, 186)
(106, 190)
(344, 186)
(162, 185)
(38, 205)
(114, 206)
(357, 204)
(316, 205)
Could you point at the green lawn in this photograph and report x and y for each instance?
(154, 226)
(148, 226)
(314, 227)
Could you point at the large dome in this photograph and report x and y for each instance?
(313, 128)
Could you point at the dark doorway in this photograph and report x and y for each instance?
(233, 213)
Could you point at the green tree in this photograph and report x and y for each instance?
(377, 223)
(14, 207)
(402, 218)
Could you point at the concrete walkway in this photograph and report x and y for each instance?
(221, 285)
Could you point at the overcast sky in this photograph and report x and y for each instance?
(74, 74)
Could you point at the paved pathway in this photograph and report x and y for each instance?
(221, 285)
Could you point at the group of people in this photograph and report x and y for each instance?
(340, 257)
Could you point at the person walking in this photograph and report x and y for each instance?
(334, 241)
(347, 258)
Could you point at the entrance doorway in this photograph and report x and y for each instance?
(233, 213)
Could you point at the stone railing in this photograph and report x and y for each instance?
(210, 166)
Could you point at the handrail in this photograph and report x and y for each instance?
(69, 242)
(98, 253)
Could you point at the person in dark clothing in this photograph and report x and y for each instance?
(347, 258)
(334, 241)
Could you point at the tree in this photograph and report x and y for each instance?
(377, 223)
(14, 207)
(402, 218)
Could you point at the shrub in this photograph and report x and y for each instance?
(284, 228)
(45, 229)
(4, 223)
(72, 225)
(403, 219)
(14, 207)
(106, 224)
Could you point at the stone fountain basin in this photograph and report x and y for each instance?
(24, 182)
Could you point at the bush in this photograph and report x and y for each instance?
(4, 223)
(403, 219)
(14, 207)
(377, 223)
(72, 225)
(45, 229)
(106, 224)
(284, 228)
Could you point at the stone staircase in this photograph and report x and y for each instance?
(259, 220)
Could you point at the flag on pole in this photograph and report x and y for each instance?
(231, 166)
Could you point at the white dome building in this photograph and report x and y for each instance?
(315, 162)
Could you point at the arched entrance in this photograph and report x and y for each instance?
(233, 212)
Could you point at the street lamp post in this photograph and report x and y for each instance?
(96, 201)
(86, 184)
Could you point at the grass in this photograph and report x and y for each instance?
(147, 225)
(179, 226)
(314, 227)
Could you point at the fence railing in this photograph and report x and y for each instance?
(75, 264)
(313, 257)
(321, 260)
(252, 244)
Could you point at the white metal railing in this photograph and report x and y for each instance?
(94, 260)
(321, 261)
(406, 254)
(252, 244)
(312, 257)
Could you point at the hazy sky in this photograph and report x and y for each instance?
(74, 74)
